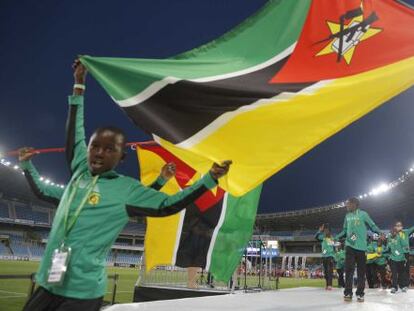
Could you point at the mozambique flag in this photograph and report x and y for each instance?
(211, 233)
(268, 91)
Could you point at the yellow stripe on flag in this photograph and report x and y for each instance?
(161, 233)
(281, 131)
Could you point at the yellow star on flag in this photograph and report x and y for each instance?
(349, 44)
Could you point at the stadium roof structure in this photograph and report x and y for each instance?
(384, 208)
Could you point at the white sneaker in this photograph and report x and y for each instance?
(360, 298)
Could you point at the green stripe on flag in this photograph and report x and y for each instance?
(258, 39)
(234, 234)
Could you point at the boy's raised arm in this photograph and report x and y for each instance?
(410, 230)
(43, 191)
(76, 149)
(167, 172)
(143, 201)
(319, 235)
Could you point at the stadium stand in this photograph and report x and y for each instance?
(4, 251)
(4, 210)
(21, 211)
(384, 208)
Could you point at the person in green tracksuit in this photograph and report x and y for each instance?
(381, 263)
(395, 249)
(93, 209)
(405, 236)
(371, 272)
(355, 234)
(328, 253)
(340, 265)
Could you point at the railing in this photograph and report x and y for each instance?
(256, 271)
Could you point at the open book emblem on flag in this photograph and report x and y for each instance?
(345, 38)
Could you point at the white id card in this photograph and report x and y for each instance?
(59, 266)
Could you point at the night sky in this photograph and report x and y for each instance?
(40, 39)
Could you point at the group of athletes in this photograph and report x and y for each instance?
(370, 254)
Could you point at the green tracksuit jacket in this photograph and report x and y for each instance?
(381, 260)
(340, 259)
(395, 248)
(113, 200)
(372, 249)
(405, 236)
(327, 244)
(355, 229)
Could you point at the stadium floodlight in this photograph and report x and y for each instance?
(41, 178)
(7, 163)
(52, 183)
(47, 181)
(361, 196)
(411, 169)
(16, 167)
(381, 189)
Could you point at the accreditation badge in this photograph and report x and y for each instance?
(59, 266)
(353, 238)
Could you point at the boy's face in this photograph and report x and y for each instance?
(105, 150)
(398, 226)
(350, 206)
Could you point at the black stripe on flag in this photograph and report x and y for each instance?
(197, 231)
(180, 110)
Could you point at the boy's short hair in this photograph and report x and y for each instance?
(355, 201)
(116, 130)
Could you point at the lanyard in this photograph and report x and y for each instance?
(68, 227)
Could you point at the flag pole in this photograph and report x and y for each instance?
(61, 149)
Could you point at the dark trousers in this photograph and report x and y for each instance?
(341, 281)
(328, 269)
(380, 269)
(43, 300)
(398, 271)
(371, 274)
(354, 257)
(407, 270)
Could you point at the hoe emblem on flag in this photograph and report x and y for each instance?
(345, 38)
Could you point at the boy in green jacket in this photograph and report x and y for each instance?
(93, 210)
(355, 233)
(371, 272)
(340, 265)
(405, 236)
(328, 253)
(381, 263)
(395, 249)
